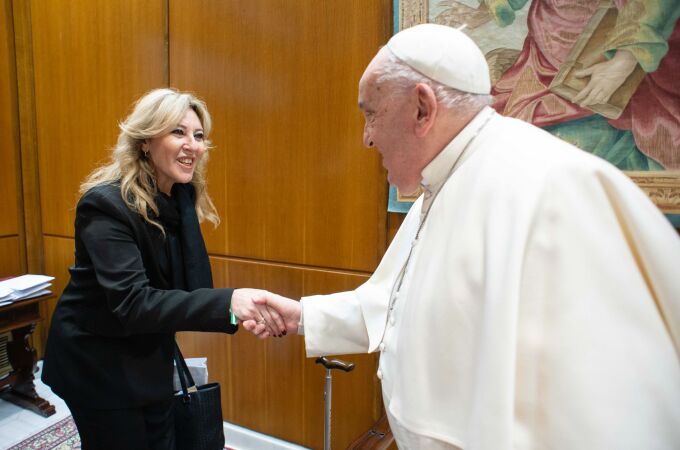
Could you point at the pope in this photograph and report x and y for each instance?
(529, 300)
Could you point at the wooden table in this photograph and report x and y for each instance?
(20, 318)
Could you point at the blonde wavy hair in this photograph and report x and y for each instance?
(157, 113)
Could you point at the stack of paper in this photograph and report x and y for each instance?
(23, 287)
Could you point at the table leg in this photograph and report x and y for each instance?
(23, 358)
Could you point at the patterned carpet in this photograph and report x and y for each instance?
(63, 435)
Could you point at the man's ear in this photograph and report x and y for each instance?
(427, 105)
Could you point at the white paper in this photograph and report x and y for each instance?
(35, 294)
(31, 290)
(25, 286)
(198, 367)
(4, 292)
(25, 282)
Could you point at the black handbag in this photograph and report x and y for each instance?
(198, 412)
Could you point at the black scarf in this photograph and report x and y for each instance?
(188, 256)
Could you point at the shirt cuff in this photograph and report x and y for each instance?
(301, 323)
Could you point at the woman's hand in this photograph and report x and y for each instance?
(289, 310)
(267, 321)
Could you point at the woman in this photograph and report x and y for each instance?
(141, 273)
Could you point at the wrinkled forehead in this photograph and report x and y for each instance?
(368, 86)
(378, 60)
(369, 94)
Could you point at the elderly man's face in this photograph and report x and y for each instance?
(389, 127)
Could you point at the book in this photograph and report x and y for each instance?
(588, 50)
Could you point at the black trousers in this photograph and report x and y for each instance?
(145, 428)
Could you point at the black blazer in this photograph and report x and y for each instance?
(110, 344)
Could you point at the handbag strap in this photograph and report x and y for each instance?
(183, 372)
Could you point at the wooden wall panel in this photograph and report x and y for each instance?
(288, 174)
(302, 203)
(270, 386)
(9, 150)
(30, 184)
(394, 221)
(59, 256)
(92, 59)
(10, 262)
(357, 397)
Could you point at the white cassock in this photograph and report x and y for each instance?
(540, 308)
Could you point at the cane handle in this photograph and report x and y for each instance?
(335, 364)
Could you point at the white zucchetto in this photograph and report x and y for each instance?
(444, 54)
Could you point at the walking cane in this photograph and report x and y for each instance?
(330, 364)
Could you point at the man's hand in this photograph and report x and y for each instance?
(262, 320)
(289, 311)
(605, 78)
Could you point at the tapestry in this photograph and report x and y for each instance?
(599, 74)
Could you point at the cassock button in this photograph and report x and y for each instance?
(392, 320)
(382, 346)
(379, 374)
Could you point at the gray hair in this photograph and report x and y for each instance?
(405, 77)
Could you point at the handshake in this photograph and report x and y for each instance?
(264, 313)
